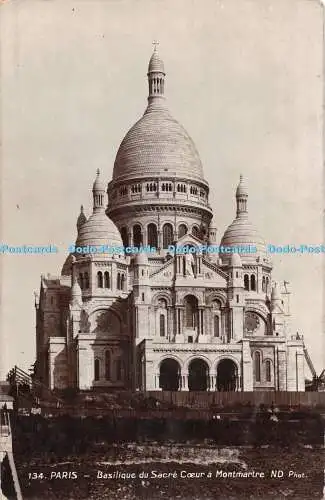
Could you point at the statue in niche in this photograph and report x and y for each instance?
(54, 326)
(84, 322)
(105, 322)
(189, 265)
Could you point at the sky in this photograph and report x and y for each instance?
(244, 77)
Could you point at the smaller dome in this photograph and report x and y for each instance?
(235, 260)
(242, 233)
(99, 230)
(141, 259)
(156, 64)
(67, 266)
(241, 188)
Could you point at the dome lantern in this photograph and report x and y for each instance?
(98, 193)
(241, 198)
(156, 76)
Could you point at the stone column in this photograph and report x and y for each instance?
(181, 321)
(198, 326)
(198, 265)
(157, 388)
(184, 381)
(160, 239)
(114, 276)
(130, 237)
(179, 265)
(91, 278)
(247, 368)
(170, 323)
(280, 367)
(145, 236)
(86, 368)
(300, 371)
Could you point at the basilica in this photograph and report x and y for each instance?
(164, 320)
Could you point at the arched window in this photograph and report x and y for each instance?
(122, 281)
(246, 282)
(86, 281)
(162, 325)
(268, 372)
(181, 188)
(253, 282)
(162, 303)
(182, 230)
(216, 326)
(124, 236)
(191, 311)
(118, 281)
(107, 365)
(195, 231)
(96, 369)
(100, 279)
(81, 281)
(137, 235)
(167, 235)
(257, 366)
(107, 280)
(263, 284)
(118, 369)
(152, 235)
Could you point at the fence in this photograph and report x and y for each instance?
(206, 399)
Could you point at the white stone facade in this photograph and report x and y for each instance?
(160, 320)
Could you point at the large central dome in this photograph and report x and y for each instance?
(157, 144)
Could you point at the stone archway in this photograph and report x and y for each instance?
(198, 375)
(227, 375)
(169, 376)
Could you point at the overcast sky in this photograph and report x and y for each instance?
(243, 77)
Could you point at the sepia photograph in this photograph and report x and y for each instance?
(162, 250)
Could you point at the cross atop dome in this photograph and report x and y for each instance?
(155, 43)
